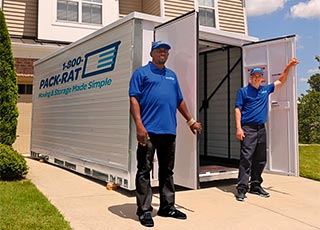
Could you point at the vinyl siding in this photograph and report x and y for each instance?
(175, 8)
(126, 7)
(151, 7)
(231, 16)
(21, 17)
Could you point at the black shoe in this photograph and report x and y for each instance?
(259, 191)
(241, 196)
(172, 212)
(146, 219)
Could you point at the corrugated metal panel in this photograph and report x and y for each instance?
(151, 7)
(217, 119)
(218, 116)
(91, 124)
(231, 16)
(128, 6)
(175, 8)
(21, 17)
(235, 84)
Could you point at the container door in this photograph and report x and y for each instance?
(273, 55)
(182, 34)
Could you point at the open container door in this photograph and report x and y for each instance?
(282, 132)
(182, 34)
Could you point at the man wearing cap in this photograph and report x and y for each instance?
(155, 96)
(251, 110)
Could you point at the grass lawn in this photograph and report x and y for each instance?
(309, 159)
(23, 207)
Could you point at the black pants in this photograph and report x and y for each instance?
(253, 156)
(165, 146)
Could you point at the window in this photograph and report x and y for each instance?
(207, 13)
(82, 11)
(24, 89)
(68, 11)
(92, 13)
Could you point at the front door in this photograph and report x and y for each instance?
(273, 55)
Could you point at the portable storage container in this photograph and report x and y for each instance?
(81, 111)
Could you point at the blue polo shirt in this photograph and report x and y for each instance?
(253, 103)
(159, 96)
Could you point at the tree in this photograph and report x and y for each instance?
(309, 111)
(8, 88)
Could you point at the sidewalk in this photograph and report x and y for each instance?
(87, 205)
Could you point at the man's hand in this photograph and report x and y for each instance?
(293, 62)
(240, 134)
(196, 128)
(142, 135)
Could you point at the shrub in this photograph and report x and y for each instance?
(13, 166)
(8, 87)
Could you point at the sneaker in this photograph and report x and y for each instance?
(173, 212)
(259, 191)
(146, 219)
(241, 196)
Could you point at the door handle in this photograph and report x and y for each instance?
(274, 104)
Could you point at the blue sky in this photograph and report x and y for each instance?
(276, 18)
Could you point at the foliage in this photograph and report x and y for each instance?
(23, 207)
(13, 166)
(309, 111)
(314, 82)
(309, 118)
(8, 88)
(309, 159)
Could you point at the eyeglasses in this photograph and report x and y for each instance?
(257, 76)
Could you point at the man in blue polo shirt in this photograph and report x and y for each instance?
(251, 110)
(155, 96)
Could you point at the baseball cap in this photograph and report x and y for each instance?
(256, 70)
(160, 44)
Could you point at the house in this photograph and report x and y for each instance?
(40, 27)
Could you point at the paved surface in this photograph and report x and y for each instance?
(294, 204)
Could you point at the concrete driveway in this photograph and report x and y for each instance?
(87, 204)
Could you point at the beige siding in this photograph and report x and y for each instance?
(175, 8)
(151, 7)
(143, 6)
(21, 17)
(126, 7)
(231, 16)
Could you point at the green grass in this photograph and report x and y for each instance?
(309, 159)
(23, 207)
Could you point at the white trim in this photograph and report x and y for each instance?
(77, 25)
(196, 6)
(245, 17)
(162, 14)
(21, 50)
(224, 37)
(216, 13)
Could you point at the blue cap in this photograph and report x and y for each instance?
(160, 44)
(256, 70)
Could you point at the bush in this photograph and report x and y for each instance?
(13, 166)
(8, 87)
